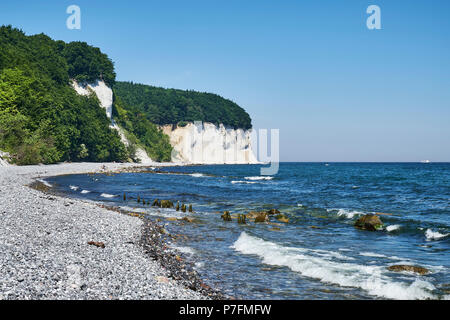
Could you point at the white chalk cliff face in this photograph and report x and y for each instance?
(199, 144)
(105, 96)
(210, 144)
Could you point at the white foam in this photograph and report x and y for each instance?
(74, 188)
(346, 213)
(434, 235)
(107, 195)
(259, 178)
(85, 191)
(187, 250)
(373, 279)
(196, 175)
(240, 181)
(392, 227)
(372, 254)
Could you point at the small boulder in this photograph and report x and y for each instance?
(369, 222)
(183, 208)
(252, 214)
(97, 244)
(262, 217)
(282, 218)
(407, 268)
(156, 203)
(187, 219)
(190, 208)
(273, 211)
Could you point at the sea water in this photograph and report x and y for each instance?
(319, 254)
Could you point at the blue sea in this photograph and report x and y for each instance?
(319, 254)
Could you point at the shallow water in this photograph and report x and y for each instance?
(333, 260)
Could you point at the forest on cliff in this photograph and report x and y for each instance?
(44, 120)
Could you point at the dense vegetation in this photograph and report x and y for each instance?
(140, 131)
(171, 106)
(42, 119)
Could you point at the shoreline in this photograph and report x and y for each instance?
(45, 252)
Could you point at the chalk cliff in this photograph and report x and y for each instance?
(207, 143)
(105, 96)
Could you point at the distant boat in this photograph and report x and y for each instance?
(425, 161)
(326, 164)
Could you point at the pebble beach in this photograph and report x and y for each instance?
(45, 251)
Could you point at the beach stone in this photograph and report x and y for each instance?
(408, 268)
(273, 211)
(187, 219)
(97, 244)
(282, 218)
(262, 217)
(369, 222)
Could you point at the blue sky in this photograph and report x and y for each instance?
(336, 90)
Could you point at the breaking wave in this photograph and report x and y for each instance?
(107, 195)
(245, 182)
(259, 178)
(373, 279)
(434, 235)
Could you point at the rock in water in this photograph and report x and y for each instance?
(258, 216)
(178, 206)
(262, 217)
(369, 222)
(156, 203)
(190, 208)
(187, 219)
(416, 269)
(183, 208)
(282, 218)
(226, 216)
(273, 211)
